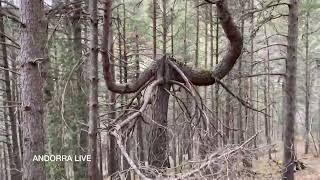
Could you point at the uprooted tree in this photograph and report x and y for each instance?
(159, 77)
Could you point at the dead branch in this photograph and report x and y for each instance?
(125, 154)
(243, 102)
(215, 157)
(147, 97)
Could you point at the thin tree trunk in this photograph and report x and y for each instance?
(140, 129)
(77, 53)
(154, 29)
(172, 32)
(216, 119)
(185, 33)
(174, 141)
(239, 118)
(290, 91)
(251, 124)
(5, 168)
(196, 61)
(164, 26)
(8, 143)
(125, 79)
(93, 171)
(307, 86)
(206, 49)
(186, 138)
(80, 97)
(228, 120)
(2, 158)
(267, 95)
(215, 124)
(121, 65)
(107, 45)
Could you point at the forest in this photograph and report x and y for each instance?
(159, 89)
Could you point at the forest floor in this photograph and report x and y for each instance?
(268, 169)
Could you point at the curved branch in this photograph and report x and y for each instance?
(147, 97)
(205, 77)
(107, 67)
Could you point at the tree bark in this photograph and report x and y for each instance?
(34, 56)
(140, 148)
(154, 28)
(159, 144)
(228, 115)
(290, 91)
(240, 84)
(93, 171)
(196, 61)
(266, 92)
(216, 119)
(307, 86)
(107, 47)
(80, 81)
(164, 26)
(206, 19)
(185, 33)
(5, 166)
(251, 123)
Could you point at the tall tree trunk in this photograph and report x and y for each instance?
(251, 123)
(196, 62)
(80, 99)
(216, 119)
(5, 165)
(154, 28)
(107, 46)
(34, 56)
(212, 56)
(93, 170)
(126, 139)
(16, 96)
(174, 123)
(240, 91)
(140, 129)
(164, 26)
(307, 86)
(266, 92)
(290, 91)
(15, 165)
(185, 32)
(8, 143)
(159, 144)
(206, 19)
(120, 58)
(186, 138)
(228, 115)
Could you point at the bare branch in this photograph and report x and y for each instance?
(147, 98)
(129, 160)
(216, 156)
